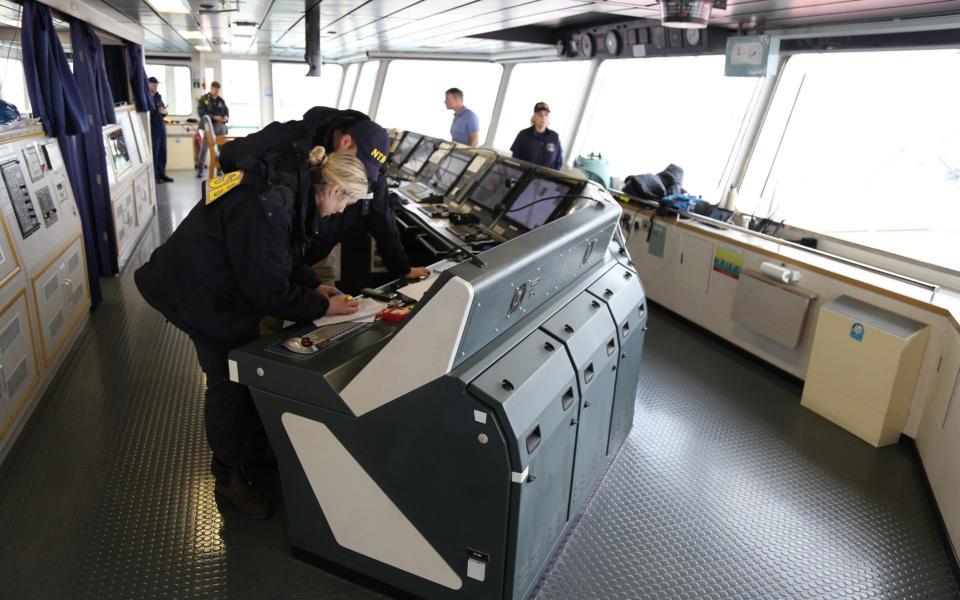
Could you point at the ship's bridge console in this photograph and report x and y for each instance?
(473, 199)
(448, 452)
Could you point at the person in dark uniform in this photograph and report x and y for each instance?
(158, 134)
(539, 144)
(347, 131)
(212, 104)
(236, 258)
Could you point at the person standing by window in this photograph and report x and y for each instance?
(538, 144)
(465, 128)
(212, 104)
(158, 133)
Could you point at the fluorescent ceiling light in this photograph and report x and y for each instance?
(175, 7)
(193, 35)
(203, 48)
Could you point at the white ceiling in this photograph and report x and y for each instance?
(351, 27)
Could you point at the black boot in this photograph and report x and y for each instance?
(239, 493)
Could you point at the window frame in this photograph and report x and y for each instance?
(188, 67)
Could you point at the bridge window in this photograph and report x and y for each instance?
(294, 93)
(559, 84)
(865, 147)
(349, 84)
(13, 86)
(174, 86)
(651, 112)
(414, 90)
(241, 92)
(365, 84)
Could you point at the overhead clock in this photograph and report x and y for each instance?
(587, 48)
(751, 55)
(611, 42)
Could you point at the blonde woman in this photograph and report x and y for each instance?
(538, 143)
(236, 258)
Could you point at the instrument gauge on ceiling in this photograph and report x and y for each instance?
(611, 42)
(586, 45)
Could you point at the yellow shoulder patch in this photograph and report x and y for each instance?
(218, 186)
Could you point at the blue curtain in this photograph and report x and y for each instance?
(138, 78)
(55, 98)
(91, 76)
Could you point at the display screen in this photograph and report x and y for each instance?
(418, 158)
(406, 145)
(449, 170)
(117, 148)
(34, 165)
(495, 185)
(534, 205)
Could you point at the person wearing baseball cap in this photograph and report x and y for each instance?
(158, 133)
(538, 143)
(339, 131)
(235, 259)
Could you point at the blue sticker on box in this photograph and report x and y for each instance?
(856, 332)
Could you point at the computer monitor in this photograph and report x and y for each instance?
(403, 149)
(537, 202)
(449, 171)
(418, 157)
(495, 185)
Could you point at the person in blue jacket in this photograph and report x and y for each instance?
(538, 144)
(158, 133)
(341, 131)
(238, 257)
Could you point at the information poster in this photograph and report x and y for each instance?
(658, 239)
(727, 261)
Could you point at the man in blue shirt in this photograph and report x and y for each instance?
(536, 143)
(465, 128)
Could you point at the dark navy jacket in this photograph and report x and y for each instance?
(156, 119)
(297, 138)
(237, 259)
(539, 148)
(208, 105)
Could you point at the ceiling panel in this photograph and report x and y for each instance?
(352, 26)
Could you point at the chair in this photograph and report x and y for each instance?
(210, 160)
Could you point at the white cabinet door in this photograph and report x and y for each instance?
(695, 263)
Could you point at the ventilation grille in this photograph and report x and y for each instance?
(11, 334)
(51, 287)
(74, 261)
(56, 323)
(17, 378)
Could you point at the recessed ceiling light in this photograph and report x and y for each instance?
(176, 7)
(193, 35)
(203, 48)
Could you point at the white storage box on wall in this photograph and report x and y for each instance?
(863, 368)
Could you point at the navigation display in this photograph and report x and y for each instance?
(406, 145)
(537, 202)
(449, 170)
(495, 185)
(418, 158)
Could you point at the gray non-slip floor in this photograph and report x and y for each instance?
(726, 487)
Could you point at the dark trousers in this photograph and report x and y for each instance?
(231, 419)
(159, 151)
